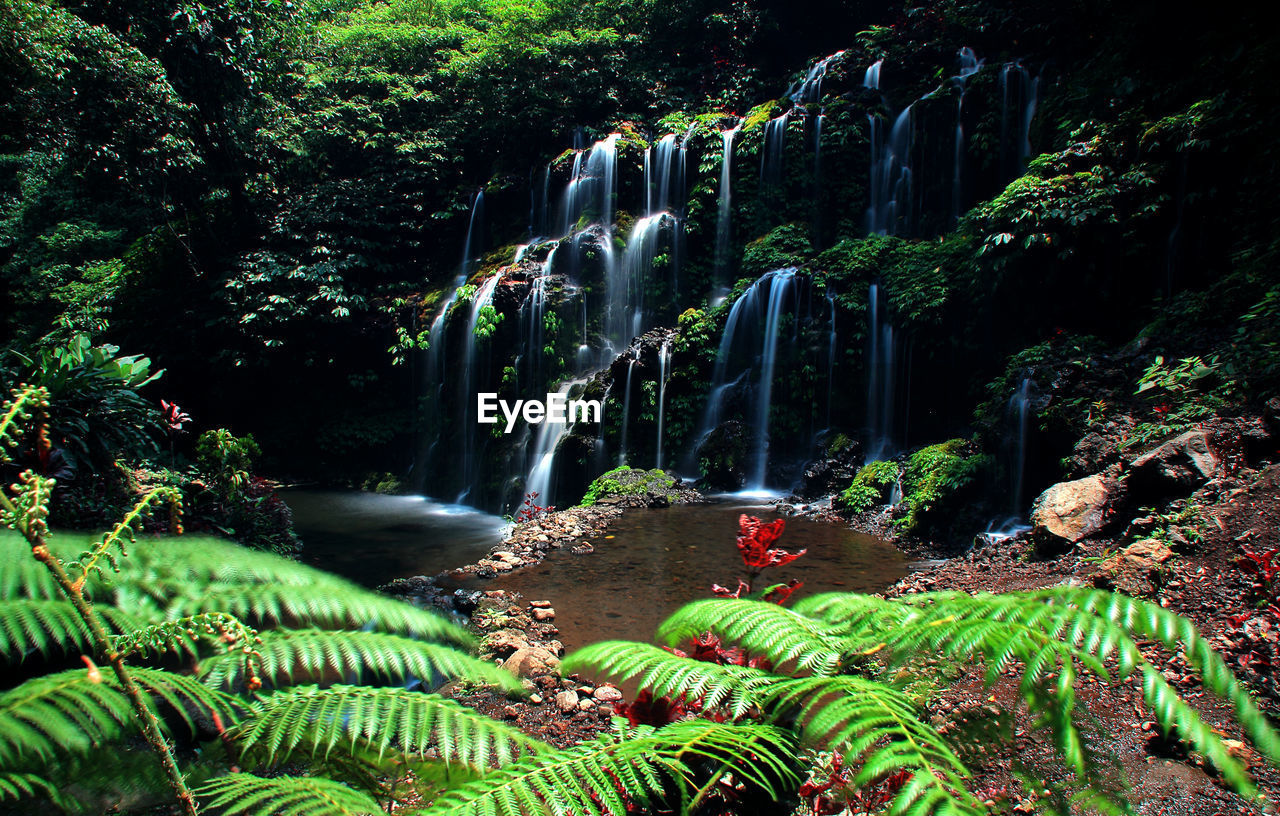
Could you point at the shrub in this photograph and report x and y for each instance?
(933, 475)
(870, 487)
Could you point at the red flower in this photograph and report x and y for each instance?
(754, 539)
(646, 710)
(173, 415)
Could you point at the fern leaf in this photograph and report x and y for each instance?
(286, 656)
(68, 712)
(316, 721)
(333, 606)
(23, 785)
(21, 576)
(705, 685)
(241, 793)
(179, 636)
(44, 626)
(779, 634)
(613, 771)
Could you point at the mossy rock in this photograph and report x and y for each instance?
(627, 481)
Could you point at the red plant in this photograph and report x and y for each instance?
(648, 710)
(754, 545)
(828, 794)
(531, 509)
(173, 415)
(1264, 569)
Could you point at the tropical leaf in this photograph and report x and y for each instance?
(241, 793)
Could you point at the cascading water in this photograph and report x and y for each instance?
(533, 332)
(880, 378)
(626, 316)
(471, 430)
(1020, 417)
(664, 372)
(724, 203)
(472, 247)
(831, 352)
(591, 185)
(756, 349)
(1019, 93)
(809, 90)
(969, 65)
(626, 412)
(543, 459)
(772, 153)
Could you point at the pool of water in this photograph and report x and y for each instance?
(372, 539)
(657, 560)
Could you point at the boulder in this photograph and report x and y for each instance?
(531, 661)
(1135, 569)
(1073, 510)
(1178, 465)
(505, 642)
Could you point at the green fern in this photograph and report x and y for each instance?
(605, 774)
(47, 627)
(241, 793)
(285, 656)
(22, 785)
(314, 721)
(1047, 637)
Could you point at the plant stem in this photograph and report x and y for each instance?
(102, 643)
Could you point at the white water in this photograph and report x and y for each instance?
(664, 372)
(724, 203)
(779, 287)
(543, 459)
(483, 298)
(880, 378)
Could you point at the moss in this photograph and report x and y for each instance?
(627, 481)
(935, 475)
(870, 487)
(760, 114)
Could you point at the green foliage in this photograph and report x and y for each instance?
(95, 413)
(227, 458)
(1178, 380)
(870, 486)
(787, 245)
(837, 699)
(241, 793)
(627, 481)
(935, 474)
(601, 775)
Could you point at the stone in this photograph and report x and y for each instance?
(567, 701)
(510, 713)
(586, 704)
(536, 699)
(505, 641)
(1073, 510)
(540, 604)
(1147, 551)
(1175, 466)
(544, 614)
(505, 556)
(607, 694)
(531, 661)
(1134, 570)
(503, 566)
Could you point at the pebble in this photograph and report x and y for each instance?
(607, 694)
(567, 701)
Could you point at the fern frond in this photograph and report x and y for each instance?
(203, 560)
(90, 561)
(70, 712)
(334, 605)
(28, 506)
(611, 772)
(705, 685)
(21, 576)
(23, 785)
(16, 413)
(766, 629)
(879, 729)
(286, 656)
(48, 626)
(316, 721)
(179, 636)
(241, 793)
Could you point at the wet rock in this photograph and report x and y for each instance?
(1074, 510)
(465, 600)
(505, 641)
(834, 471)
(531, 661)
(567, 701)
(724, 455)
(1176, 466)
(544, 614)
(657, 501)
(539, 604)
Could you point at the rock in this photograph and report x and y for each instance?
(586, 704)
(506, 556)
(1091, 453)
(505, 641)
(539, 604)
(536, 699)
(657, 501)
(607, 694)
(531, 661)
(503, 566)
(1176, 466)
(567, 701)
(1073, 510)
(1147, 551)
(544, 614)
(510, 713)
(1134, 570)
(465, 600)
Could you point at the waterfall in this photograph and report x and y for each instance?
(723, 211)
(880, 378)
(591, 187)
(1020, 415)
(471, 248)
(809, 89)
(831, 352)
(872, 78)
(890, 206)
(626, 313)
(546, 445)
(771, 154)
(626, 412)
(778, 289)
(469, 427)
(969, 65)
(1019, 93)
(532, 330)
(664, 371)
(763, 302)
